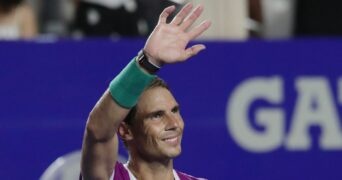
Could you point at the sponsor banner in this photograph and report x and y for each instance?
(252, 110)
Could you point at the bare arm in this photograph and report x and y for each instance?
(29, 22)
(100, 144)
(166, 44)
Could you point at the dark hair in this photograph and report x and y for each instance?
(157, 82)
(8, 5)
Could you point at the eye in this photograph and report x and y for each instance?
(157, 115)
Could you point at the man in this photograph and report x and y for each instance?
(141, 110)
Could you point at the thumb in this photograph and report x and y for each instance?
(193, 50)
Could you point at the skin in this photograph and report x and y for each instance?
(156, 134)
(150, 155)
(167, 43)
(29, 25)
(25, 17)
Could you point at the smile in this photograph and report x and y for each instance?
(172, 140)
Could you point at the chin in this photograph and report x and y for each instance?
(172, 153)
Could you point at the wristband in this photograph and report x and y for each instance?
(129, 84)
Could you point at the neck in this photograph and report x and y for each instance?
(154, 170)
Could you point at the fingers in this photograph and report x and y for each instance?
(198, 30)
(182, 14)
(166, 12)
(183, 18)
(193, 50)
(189, 20)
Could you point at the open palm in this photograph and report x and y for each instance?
(168, 41)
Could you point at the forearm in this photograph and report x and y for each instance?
(100, 143)
(105, 118)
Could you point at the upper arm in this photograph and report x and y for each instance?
(100, 143)
(98, 158)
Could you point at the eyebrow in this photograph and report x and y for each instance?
(176, 107)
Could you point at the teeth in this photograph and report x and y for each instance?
(171, 139)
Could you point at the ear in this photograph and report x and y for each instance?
(125, 132)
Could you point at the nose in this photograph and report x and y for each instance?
(173, 122)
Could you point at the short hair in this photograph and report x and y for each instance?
(157, 82)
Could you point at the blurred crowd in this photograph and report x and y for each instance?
(270, 19)
(295, 18)
(79, 18)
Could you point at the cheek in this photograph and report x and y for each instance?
(152, 133)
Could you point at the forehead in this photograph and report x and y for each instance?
(157, 98)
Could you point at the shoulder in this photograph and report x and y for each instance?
(120, 172)
(184, 176)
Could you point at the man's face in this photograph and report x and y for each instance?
(158, 125)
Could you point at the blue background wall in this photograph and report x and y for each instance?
(48, 89)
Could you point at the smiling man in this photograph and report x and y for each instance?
(140, 109)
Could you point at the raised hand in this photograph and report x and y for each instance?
(168, 41)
